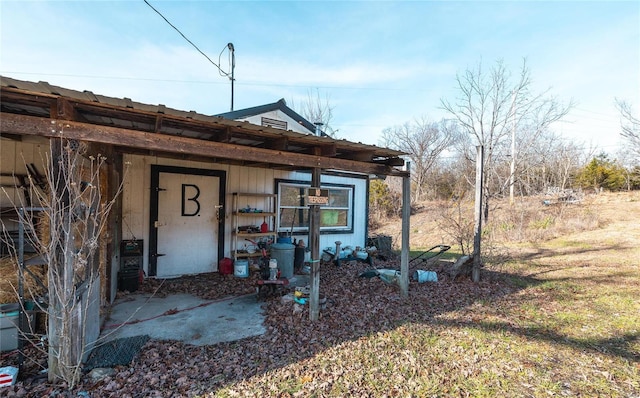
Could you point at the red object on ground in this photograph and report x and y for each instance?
(225, 266)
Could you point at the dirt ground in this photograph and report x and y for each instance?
(287, 356)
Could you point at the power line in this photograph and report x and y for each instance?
(189, 41)
(245, 83)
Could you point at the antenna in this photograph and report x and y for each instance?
(233, 68)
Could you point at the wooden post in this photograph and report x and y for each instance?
(406, 213)
(314, 242)
(477, 230)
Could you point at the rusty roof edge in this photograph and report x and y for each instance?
(46, 89)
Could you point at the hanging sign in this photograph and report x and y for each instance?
(317, 196)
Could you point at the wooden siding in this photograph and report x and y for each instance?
(136, 197)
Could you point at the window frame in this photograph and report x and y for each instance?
(349, 228)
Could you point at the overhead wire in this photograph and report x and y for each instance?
(222, 72)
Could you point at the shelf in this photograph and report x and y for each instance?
(247, 255)
(255, 194)
(263, 214)
(266, 202)
(254, 234)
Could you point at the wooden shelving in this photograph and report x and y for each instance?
(250, 211)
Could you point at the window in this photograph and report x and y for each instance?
(294, 209)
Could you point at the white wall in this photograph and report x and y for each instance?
(292, 124)
(136, 196)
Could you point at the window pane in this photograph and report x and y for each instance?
(294, 209)
(333, 218)
(291, 195)
(293, 217)
(339, 198)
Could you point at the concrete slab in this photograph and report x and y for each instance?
(185, 317)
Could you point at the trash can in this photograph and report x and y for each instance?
(9, 325)
(284, 253)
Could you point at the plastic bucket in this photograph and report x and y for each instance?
(241, 268)
(284, 240)
(425, 276)
(284, 253)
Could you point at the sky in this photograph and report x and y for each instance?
(379, 64)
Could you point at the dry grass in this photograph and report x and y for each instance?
(560, 318)
(9, 281)
(571, 326)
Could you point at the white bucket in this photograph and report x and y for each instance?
(241, 268)
(425, 276)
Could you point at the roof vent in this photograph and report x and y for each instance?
(276, 124)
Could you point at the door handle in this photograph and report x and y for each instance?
(157, 224)
(218, 209)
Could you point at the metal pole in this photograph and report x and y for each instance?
(233, 69)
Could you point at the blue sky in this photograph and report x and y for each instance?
(380, 63)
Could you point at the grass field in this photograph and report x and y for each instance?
(567, 323)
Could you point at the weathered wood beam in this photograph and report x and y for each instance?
(225, 135)
(328, 150)
(363, 156)
(158, 126)
(43, 100)
(37, 126)
(13, 137)
(215, 127)
(63, 109)
(278, 144)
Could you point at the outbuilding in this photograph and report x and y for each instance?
(188, 182)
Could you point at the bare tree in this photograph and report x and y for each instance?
(630, 126)
(74, 214)
(318, 109)
(550, 163)
(423, 141)
(494, 107)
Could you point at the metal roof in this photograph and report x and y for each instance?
(43, 100)
(280, 105)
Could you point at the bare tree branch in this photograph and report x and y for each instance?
(630, 125)
(317, 109)
(423, 141)
(490, 105)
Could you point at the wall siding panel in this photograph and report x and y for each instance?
(136, 197)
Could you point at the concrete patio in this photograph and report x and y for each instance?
(187, 318)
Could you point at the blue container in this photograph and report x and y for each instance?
(241, 268)
(284, 240)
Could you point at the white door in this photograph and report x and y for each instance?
(187, 224)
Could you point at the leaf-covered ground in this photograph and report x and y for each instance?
(562, 318)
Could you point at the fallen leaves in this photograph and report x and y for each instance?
(369, 341)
